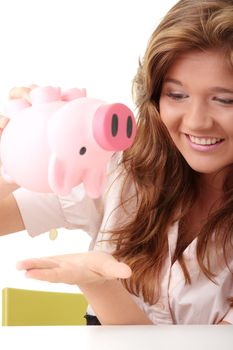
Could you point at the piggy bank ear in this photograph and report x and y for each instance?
(56, 175)
(15, 105)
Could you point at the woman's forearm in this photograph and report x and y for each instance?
(113, 304)
(10, 217)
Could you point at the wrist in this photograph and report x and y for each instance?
(110, 300)
(86, 286)
(6, 188)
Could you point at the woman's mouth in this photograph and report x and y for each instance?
(204, 143)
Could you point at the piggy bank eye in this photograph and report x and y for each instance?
(82, 150)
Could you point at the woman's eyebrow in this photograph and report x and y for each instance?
(212, 89)
(174, 81)
(221, 89)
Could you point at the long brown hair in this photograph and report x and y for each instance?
(163, 180)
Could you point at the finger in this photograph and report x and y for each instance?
(33, 86)
(115, 269)
(3, 121)
(63, 275)
(48, 275)
(36, 264)
(19, 92)
(22, 92)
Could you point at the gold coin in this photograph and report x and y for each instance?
(53, 234)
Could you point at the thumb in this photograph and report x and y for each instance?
(3, 121)
(115, 269)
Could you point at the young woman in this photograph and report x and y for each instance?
(162, 232)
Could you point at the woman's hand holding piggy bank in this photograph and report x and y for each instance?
(61, 139)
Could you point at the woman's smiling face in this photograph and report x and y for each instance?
(196, 105)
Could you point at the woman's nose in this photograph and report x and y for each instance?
(198, 117)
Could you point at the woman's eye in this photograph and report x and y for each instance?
(177, 96)
(225, 101)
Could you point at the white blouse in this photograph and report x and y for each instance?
(202, 302)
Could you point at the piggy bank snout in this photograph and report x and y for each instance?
(114, 127)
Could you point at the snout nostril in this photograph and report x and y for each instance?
(114, 124)
(82, 151)
(129, 129)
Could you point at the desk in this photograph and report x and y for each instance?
(117, 338)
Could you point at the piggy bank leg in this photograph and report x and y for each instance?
(94, 183)
(56, 175)
(61, 178)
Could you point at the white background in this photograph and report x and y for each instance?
(94, 44)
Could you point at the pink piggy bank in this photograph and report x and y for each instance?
(63, 139)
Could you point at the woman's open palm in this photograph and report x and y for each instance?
(77, 268)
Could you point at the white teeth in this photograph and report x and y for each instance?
(204, 141)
